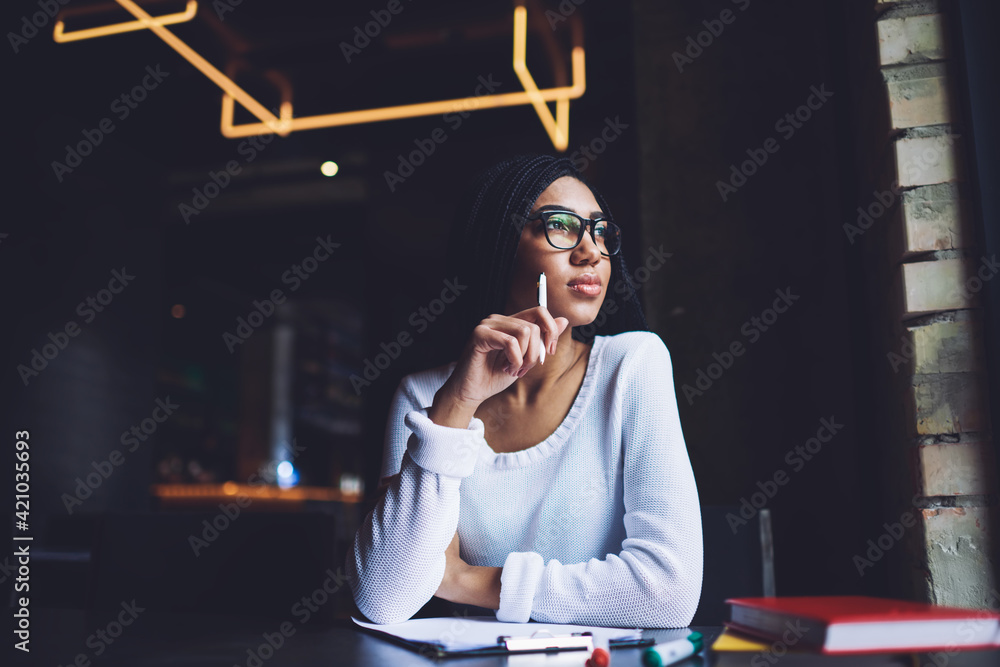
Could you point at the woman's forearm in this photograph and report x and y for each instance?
(480, 586)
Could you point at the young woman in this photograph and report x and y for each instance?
(541, 475)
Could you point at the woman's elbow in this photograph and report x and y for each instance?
(379, 600)
(675, 604)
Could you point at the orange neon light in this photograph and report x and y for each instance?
(60, 34)
(556, 127)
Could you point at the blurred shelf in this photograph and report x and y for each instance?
(196, 495)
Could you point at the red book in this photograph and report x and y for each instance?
(857, 624)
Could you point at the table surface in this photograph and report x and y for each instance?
(64, 637)
(59, 636)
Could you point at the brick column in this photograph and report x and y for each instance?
(937, 271)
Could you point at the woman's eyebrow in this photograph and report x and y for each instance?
(559, 207)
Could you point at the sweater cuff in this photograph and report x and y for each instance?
(442, 449)
(520, 576)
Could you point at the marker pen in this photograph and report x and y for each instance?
(543, 301)
(671, 652)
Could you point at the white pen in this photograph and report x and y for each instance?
(543, 302)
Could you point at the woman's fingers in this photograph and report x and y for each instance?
(528, 340)
(548, 324)
(498, 336)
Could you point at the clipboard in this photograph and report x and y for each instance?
(541, 640)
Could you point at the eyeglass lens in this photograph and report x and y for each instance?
(563, 230)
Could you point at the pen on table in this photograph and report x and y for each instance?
(671, 652)
(543, 302)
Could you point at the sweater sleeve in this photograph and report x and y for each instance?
(655, 582)
(397, 561)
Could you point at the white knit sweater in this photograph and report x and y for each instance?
(599, 524)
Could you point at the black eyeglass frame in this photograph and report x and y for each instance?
(585, 223)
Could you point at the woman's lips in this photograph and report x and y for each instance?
(585, 288)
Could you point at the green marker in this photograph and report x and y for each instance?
(671, 652)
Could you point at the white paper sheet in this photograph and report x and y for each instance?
(464, 633)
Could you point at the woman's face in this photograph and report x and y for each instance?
(562, 267)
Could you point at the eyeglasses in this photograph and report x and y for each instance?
(564, 230)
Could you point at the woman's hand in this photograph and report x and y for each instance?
(451, 585)
(501, 349)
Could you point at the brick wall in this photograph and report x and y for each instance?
(921, 247)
